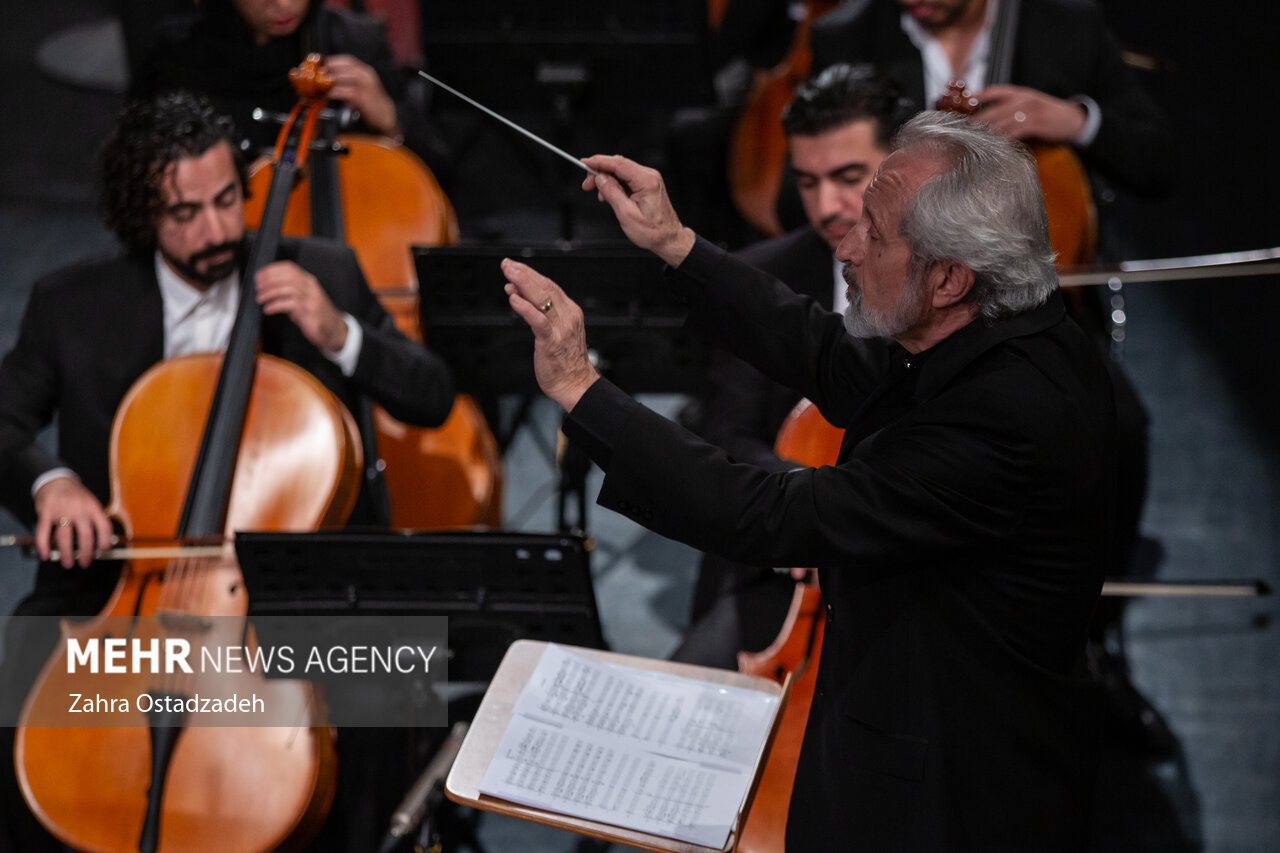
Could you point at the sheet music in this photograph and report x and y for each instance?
(645, 750)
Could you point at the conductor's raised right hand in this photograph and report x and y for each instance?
(639, 200)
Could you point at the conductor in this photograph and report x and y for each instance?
(962, 536)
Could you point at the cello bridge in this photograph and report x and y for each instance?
(182, 620)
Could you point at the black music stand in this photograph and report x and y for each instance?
(591, 76)
(635, 327)
(618, 58)
(494, 587)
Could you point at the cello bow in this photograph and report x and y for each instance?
(1251, 262)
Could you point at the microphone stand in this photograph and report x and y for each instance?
(425, 797)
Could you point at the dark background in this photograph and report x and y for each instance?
(1202, 355)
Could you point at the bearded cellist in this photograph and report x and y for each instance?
(173, 192)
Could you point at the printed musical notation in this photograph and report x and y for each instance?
(649, 751)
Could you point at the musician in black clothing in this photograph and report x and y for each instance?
(1066, 84)
(239, 52)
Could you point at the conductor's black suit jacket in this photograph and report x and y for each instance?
(92, 329)
(742, 409)
(960, 542)
(1061, 47)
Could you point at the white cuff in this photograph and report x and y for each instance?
(347, 357)
(1092, 120)
(49, 476)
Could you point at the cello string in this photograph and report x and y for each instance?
(306, 712)
(177, 579)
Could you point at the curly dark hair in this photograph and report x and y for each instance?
(842, 94)
(150, 135)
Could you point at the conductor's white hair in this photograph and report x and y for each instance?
(985, 210)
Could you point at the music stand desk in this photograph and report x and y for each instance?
(635, 324)
(493, 586)
(491, 720)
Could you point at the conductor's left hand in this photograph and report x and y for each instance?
(560, 361)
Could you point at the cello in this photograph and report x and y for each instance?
(1073, 219)
(758, 150)
(451, 475)
(796, 650)
(276, 451)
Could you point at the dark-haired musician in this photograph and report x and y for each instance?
(173, 191)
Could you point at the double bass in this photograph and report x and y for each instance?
(443, 477)
(201, 445)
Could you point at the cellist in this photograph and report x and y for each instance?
(1067, 82)
(838, 127)
(92, 329)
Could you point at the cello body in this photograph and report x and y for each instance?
(797, 650)
(382, 200)
(390, 200)
(227, 788)
(1073, 219)
(808, 439)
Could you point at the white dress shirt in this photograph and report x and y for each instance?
(198, 321)
(938, 72)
